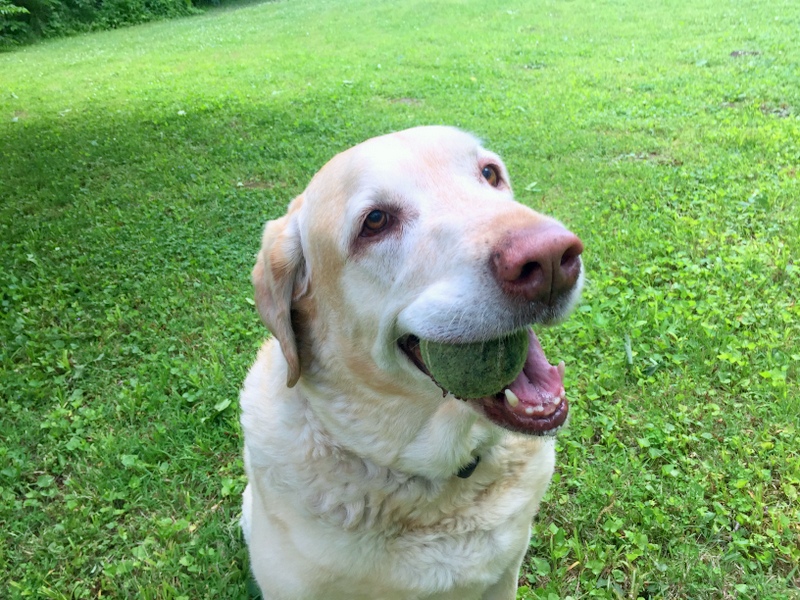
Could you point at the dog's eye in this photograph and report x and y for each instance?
(491, 174)
(376, 221)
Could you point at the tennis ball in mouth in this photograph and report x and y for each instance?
(476, 369)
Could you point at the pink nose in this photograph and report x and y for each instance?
(537, 263)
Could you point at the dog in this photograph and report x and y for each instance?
(366, 480)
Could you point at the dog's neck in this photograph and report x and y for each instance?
(353, 468)
(302, 444)
(389, 493)
(432, 439)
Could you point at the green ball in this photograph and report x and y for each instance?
(476, 369)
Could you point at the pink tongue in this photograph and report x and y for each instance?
(539, 384)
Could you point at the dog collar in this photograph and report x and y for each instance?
(468, 469)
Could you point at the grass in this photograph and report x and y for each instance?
(136, 170)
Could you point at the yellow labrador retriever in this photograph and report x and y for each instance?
(366, 479)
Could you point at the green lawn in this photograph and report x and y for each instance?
(138, 166)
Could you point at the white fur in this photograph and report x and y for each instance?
(352, 489)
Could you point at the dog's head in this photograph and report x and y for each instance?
(416, 235)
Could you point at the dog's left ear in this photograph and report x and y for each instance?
(280, 278)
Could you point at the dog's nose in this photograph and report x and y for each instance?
(537, 263)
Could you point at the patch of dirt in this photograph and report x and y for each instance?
(781, 111)
(256, 184)
(234, 124)
(652, 157)
(407, 101)
(738, 53)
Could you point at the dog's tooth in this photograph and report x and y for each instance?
(511, 398)
(528, 410)
(562, 394)
(561, 369)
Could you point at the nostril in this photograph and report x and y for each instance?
(570, 265)
(571, 253)
(528, 269)
(569, 259)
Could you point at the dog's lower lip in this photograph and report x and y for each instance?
(525, 423)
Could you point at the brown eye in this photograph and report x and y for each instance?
(491, 174)
(376, 221)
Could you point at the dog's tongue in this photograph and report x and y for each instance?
(535, 402)
(540, 386)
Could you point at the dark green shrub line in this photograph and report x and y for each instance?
(23, 21)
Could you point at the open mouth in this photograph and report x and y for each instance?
(534, 403)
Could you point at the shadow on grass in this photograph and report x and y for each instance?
(224, 150)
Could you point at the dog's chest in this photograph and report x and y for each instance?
(405, 545)
(454, 559)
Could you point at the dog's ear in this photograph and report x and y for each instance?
(279, 278)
